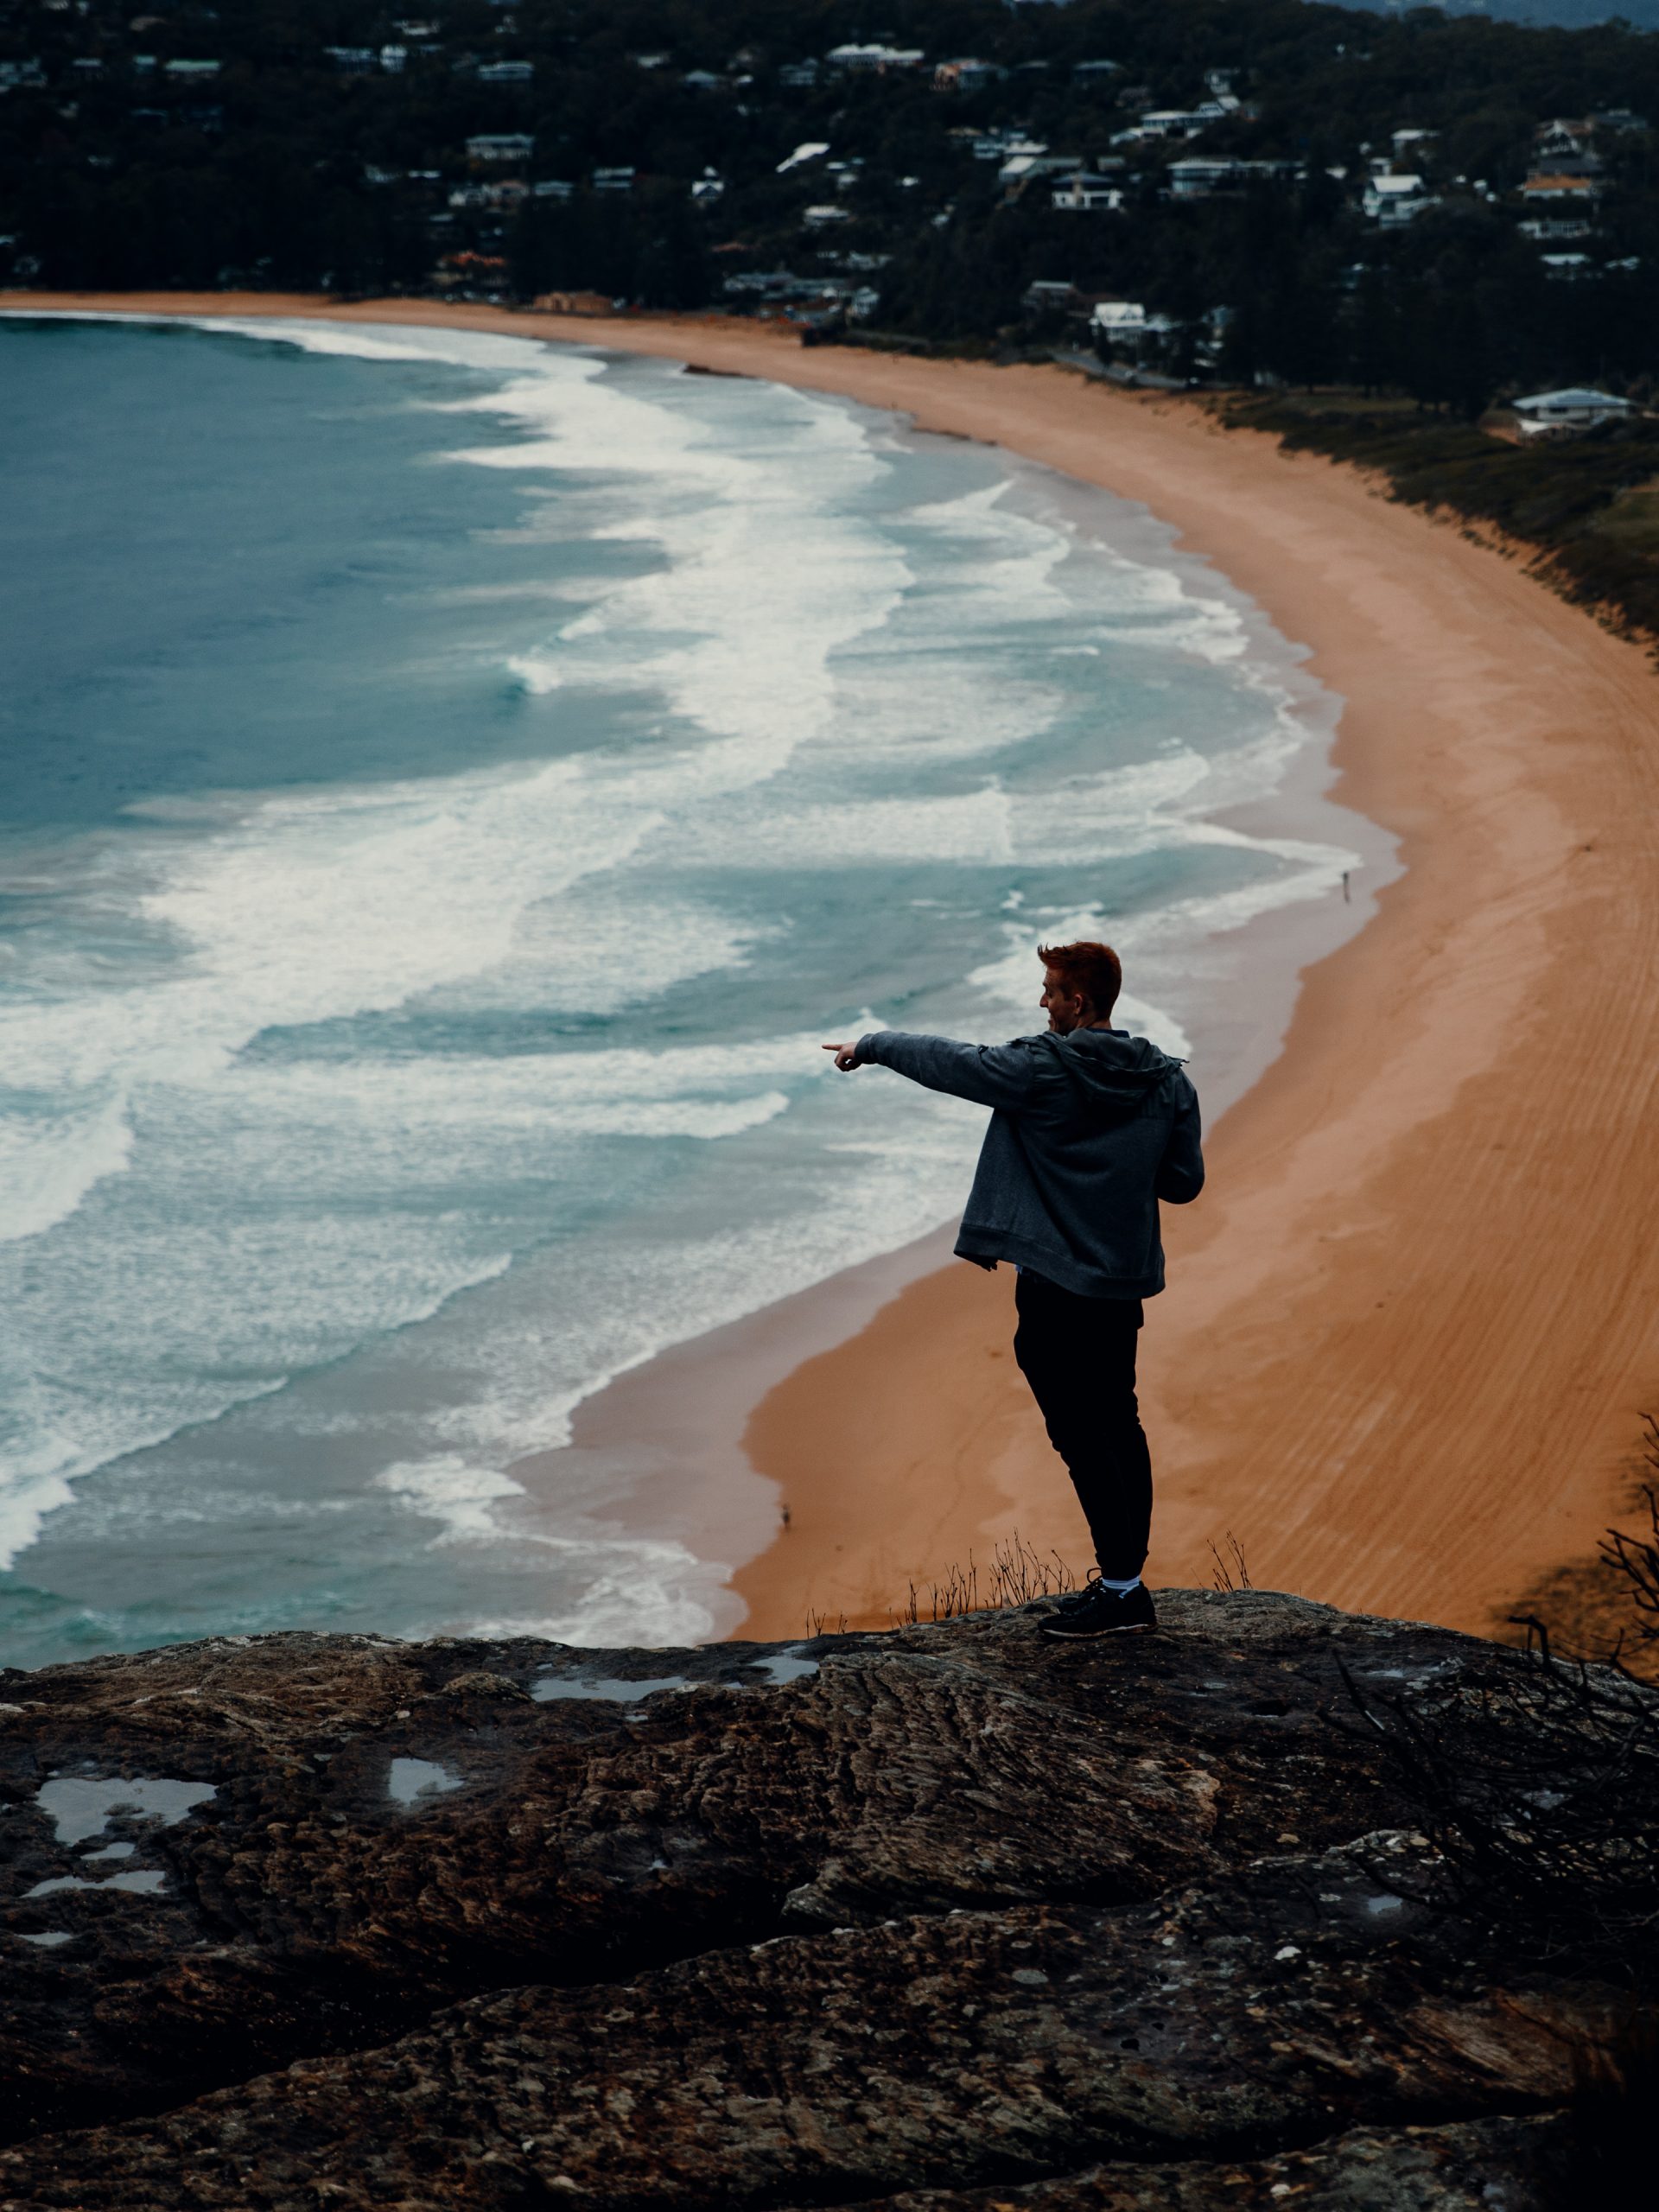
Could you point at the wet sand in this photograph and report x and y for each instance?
(1414, 1320)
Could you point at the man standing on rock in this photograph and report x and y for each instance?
(1089, 1129)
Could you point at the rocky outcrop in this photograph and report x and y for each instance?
(939, 1918)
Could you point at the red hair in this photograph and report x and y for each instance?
(1093, 971)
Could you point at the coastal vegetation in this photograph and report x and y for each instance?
(1585, 512)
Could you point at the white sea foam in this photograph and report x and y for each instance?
(764, 574)
(422, 1108)
(763, 585)
(45, 1170)
(634, 1589)
(306, 910)
(461, 349)
(972, 828)
(453, 1492)
(1014, 580)
(641, 1594)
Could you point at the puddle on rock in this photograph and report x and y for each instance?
(49, 1938)
(82, 1807)
(778, 1667)
(410, 1780)
(143, 1882)
(785, 1666)
(606, 1688)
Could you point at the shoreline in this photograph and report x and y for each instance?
(1414, 1322)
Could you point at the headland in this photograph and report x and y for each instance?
(940, 1917)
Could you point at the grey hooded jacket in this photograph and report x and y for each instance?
(1089, 1131)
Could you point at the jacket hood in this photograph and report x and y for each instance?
(1112, 1077)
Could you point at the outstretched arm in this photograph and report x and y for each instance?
(990, 1075)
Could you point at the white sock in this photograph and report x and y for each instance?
(1120, 1589)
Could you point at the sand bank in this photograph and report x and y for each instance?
(1414, 1320)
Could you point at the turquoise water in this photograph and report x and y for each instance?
(448, 785)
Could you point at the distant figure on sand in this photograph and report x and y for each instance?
(1089, 1129)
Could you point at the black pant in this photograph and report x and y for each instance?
(1077, 1354)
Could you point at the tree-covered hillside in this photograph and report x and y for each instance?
(1236, 175)
(1571, 14)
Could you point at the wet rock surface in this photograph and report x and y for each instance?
(944, 1916)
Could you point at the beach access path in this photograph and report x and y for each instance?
(1414, 1322)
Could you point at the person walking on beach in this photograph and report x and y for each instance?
(1090, 1128)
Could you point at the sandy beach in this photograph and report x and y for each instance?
(1414, 1322)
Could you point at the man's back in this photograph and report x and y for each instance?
(1089, 1130)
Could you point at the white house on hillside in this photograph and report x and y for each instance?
(1559, 414)
(1391, 200)
(500, 146)
(1174, 122)
(1554, 228)
(1017, 171)
(856, 56)
(1126, 325)
(1198, 176)
(1089, 195)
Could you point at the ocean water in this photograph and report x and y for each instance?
(448, 787)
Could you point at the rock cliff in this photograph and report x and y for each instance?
(943, 1917)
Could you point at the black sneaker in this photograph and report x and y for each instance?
(1069, 1600)
(1099, 1611)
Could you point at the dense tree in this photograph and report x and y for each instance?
(297, 166)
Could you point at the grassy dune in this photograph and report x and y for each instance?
(1587, 508)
